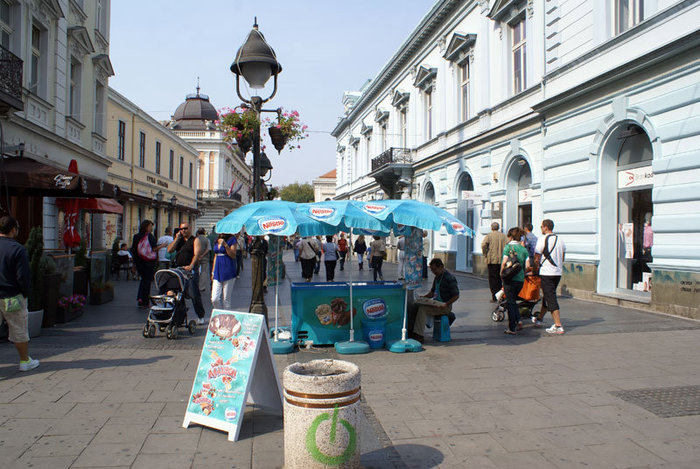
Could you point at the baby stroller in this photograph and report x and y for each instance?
(528, 298)
(168, 309)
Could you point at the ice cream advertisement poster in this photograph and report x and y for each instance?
(235, 353)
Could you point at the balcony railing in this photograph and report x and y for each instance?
(392, 155)
(10, 82)
(203, 194)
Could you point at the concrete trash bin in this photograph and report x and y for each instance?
(321, 415)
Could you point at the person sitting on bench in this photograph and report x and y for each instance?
(438, 301)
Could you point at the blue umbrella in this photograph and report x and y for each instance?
(409, 212)
(276, 217)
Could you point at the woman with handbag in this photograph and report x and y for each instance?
(143, 250)
(515, 262)
(307, 256)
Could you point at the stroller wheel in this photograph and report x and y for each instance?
(498, 315)
(173, 332)
(161, 328)
(152, 331)
(145, 330)
(169, 331)
(192, 326)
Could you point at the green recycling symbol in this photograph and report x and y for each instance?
(316, 453)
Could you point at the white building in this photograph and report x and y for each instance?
(53, 91)
(514, 111)
(223, 177)
(324, 186)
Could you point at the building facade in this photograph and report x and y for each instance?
(324, 187)
(515, 111)
(155, 170)
(54, 80)
(224, 179)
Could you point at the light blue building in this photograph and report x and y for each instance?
(582, 112)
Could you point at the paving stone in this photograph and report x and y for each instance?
(479, 444)
(60, 445)
(107, 455)
(27, 462)
(681, 450)
(572, 457)
(158, 443)
(87, 426)
(133, 434)
(624, 454)
(521, 460)
(166, 460)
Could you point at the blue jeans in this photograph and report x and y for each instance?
(296, 255)
(511, 290)
(195, 294)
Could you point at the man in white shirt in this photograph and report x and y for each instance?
(549, 255)
(401, 251)
(165, 240)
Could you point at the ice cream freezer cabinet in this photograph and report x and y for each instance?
(321, 312)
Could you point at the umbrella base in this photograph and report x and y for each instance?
(403, 346)
(282, 347)
(353, 347)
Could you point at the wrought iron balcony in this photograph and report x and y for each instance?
(392, 155)
(10, 82)
(203, 194)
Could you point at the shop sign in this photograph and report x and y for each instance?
(472, 195)
(235, 365)
(635, 177)
(525, 196)
(158, 182)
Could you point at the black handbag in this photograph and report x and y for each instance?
(512, 266)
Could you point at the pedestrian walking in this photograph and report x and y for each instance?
(360, 248)
(143, 250)
(307, 256)
(240, 241)
(224, 271)
(330, 257)
(492, 248)
(295, 244)
(342, 250)
(15, 286)
(319, 249)
(549, 256)
(189, 250)
(513, 284)
(401, 255)
(378, 248)
(426, 252)
(530, 240)
(205, 261)
(163, 256)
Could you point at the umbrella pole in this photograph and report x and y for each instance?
(277, 282)
(352, 328)
(405, 314)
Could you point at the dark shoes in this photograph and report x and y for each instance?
(414, 336)
(451, 317)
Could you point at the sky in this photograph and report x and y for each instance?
(159, 48)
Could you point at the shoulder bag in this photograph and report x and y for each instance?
(512, 267)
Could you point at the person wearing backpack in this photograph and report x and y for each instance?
(513, 266)
(549, 255)
(144, 252)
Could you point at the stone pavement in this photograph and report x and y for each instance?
(104, 396)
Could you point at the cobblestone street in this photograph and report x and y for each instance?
(104, 396)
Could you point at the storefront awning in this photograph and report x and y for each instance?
(96, 205)
(29, 177)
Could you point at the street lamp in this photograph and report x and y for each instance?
(265, 166)
(257, 63)
(173, 200)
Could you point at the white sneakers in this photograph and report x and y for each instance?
(201, 321)
(28, 365)
(536, 321)
(555, 329)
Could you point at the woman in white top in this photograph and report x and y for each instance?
(307, 256)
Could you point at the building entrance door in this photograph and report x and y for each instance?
(465, 214)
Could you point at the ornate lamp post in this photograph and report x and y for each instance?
(256, 62)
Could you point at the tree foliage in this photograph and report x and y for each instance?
(296, 192)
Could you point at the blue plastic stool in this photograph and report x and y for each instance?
(441, 329)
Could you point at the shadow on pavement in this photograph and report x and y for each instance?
(8, 372)
(395, 456)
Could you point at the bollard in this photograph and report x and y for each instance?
(321, 415)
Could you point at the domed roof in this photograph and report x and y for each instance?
(194, 112)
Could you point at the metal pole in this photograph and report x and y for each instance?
(257, 301)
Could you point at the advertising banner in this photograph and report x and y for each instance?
(275, 265)
(235, 368)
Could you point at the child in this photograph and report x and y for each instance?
(124, 251)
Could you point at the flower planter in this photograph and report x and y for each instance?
(245, 144)
(35, 318)
(101, 296)
(51, 293)
(80, 281)
(64, 315)
(279, 140)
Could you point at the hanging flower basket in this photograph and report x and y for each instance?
(239, 125)
(279, 140)
(287, 131)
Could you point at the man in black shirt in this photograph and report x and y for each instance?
(15, 284)
(189, 252)
(442, 294)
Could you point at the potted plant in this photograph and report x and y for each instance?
(240, 125)
(51, 290)
(287, 131)
(71, 307)
(101, 292)
(35, 251)
(80, 273)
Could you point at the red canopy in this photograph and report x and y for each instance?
(101, 206)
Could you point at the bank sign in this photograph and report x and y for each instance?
(635, 177)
